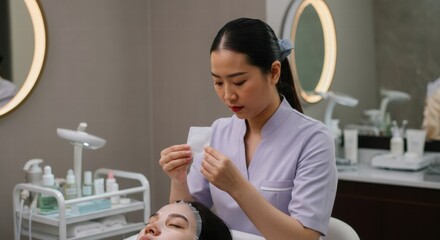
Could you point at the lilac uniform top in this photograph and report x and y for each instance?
(293, 168)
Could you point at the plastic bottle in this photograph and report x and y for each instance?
(337, 135)
(109, 181)
(70, 191)
(47, 203)
(110, 186)
(114, 187)
(87, 188)
(396, 142)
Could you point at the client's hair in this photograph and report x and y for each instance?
(213, 227)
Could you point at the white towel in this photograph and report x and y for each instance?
(238, 235)
(83, 228)
(113, 222)
(134, 237)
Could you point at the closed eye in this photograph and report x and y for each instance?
(239, 83)
(175, 226)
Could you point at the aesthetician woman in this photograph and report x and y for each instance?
(269, 170)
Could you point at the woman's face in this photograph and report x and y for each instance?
(242, 87)
(175, 221)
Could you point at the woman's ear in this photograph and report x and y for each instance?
(275, 72)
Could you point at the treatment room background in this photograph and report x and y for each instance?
(138, 72)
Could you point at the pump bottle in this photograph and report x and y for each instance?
(47, 203)
(396, 142)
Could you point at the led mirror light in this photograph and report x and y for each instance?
(290, 27)
(38, 58)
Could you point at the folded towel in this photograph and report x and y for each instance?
(134, 237)
(113, 222)
(238, 235)
(83, 228)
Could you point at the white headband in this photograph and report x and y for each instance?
(196, 216)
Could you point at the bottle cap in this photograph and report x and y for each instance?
(110, 178)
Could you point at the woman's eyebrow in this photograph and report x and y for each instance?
(232, 75)
(176, 215)
(154, 215)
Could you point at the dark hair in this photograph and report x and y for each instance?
(257, 40)
(213, 227)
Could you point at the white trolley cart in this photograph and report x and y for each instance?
(61, 220)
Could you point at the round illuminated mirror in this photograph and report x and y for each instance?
(309, 25)
(26, 46)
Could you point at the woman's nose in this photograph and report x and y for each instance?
(229, 93)
(151, 228)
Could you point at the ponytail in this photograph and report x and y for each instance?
(286, 86)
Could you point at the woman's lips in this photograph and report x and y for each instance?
(235, 108)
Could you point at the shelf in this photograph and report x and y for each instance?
(129, 228)
(53, 219)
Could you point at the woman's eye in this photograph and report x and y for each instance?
(175, 226)
(218, 83)
(239, 83)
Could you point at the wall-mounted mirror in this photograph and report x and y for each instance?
(27, 48)
(309, 25)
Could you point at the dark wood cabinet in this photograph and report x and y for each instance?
(387, 212)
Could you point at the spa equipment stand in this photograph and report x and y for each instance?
(61, 220)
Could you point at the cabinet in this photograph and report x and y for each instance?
(382, 212)
(61, 220)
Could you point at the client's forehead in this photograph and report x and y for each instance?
(179, 208)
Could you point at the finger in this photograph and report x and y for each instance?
(209, 164)
(216, 155)
(175, 164)
(172, 156)
(174, 148)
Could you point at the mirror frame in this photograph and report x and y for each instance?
(290, 26)
(38, 58)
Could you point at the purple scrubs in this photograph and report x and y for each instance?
(293, 168)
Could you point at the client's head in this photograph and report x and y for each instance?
(184, 221)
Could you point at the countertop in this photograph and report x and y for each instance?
(364, 172)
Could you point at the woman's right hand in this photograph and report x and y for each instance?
(175, 160)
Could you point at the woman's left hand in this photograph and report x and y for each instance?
(219, 170)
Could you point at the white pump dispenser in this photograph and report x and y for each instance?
(33, 170)
(396, 142)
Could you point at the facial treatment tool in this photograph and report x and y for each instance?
(377, 116)
(80, 139)
(333, 99)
